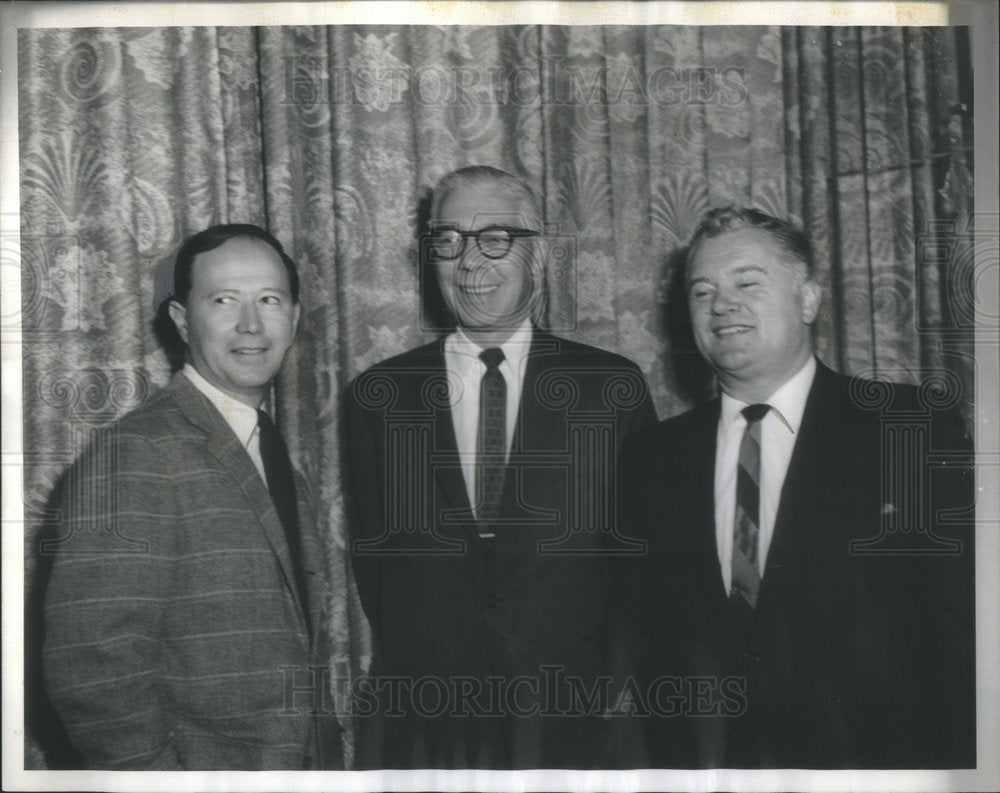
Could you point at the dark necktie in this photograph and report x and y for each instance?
(746, 536)
(491, 445)
(281, 484)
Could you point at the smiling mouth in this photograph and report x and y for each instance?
(732, 330)
(250, 350)
(480, 291)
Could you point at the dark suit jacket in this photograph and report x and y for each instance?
(172, 622)
(862, 650)
(526, 612)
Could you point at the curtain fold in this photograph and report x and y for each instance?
(132, 139)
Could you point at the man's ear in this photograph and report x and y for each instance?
(812, 296)
(178, 313)
(296, 311)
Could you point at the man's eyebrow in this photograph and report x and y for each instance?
(236, 290)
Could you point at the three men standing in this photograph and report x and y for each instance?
(797, 552)
(801, 551)
(188, 579)
(483, 468)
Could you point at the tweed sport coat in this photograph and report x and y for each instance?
(174, 632)
(862, 649)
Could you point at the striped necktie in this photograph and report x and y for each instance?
(746, 533)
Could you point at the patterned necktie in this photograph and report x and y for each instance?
(491, 443)
(281, 484)
(746, 536)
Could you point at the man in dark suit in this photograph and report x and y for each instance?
(483, 473)
(810, 568)
(187, 589)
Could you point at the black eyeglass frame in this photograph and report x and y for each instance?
(513, 233)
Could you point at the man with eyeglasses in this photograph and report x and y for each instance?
(483, 483)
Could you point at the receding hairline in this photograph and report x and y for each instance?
(275, 258)
(507, 186)
(732, 218)
(788, 256)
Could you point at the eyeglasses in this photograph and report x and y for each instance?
(493, 241)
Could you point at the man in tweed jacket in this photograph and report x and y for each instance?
(180, 618)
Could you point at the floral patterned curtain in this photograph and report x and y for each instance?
(132, 139)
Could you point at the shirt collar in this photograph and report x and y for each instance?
(788, 403)
(515, 349)
(240, 417)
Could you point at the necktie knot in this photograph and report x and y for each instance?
(264, 422)
(753, 413)
(492, 357)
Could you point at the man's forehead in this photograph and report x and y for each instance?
(734, 268)
(735, 250)
(239, 243)
(242, 248)
(239, 253)
(480, 205)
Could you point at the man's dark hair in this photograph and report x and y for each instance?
(720, 221)
(212, 238)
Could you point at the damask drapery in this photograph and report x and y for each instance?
(132, 139)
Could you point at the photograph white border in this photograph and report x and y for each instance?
(980, 16)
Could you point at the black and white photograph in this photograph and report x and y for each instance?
(500, 396)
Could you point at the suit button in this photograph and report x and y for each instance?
(492, 601)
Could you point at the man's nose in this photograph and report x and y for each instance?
(249, 321)
(724, 301)
(472, 258)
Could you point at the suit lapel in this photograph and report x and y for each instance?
(537, 428)
(794, 524)
(313, 556)
(701, 487)
(545, 428)
(447, 465)
(221, 442)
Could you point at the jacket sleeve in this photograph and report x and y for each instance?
(642, 415)
(111, 572)
(948, 593)
(626, 629)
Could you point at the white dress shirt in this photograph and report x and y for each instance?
(241, 418)
(778, 431)
(465, 374)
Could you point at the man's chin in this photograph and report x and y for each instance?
(501, 329)
(480, 321)
(254, 380)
